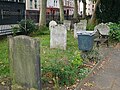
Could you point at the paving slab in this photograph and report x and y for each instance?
(107, 77)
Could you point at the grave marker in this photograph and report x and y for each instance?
(67, 24)
(78, 27)
(24, 55)
(58, 37)
(52, 24)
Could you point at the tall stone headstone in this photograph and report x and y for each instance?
(52, 24)
(102, 28)
(58, 37)
(24, 55)
(67, 24)
(78, 27)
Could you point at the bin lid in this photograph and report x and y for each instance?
(86, 33)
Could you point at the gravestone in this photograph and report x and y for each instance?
(52, 24)
(58, 37)
(102, 28)
(78, 27)
(67, 24)
(24, 55)
(84, 23)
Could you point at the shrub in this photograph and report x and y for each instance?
(92, 55)
(90, 27)
(42, 30)
(65, 73)
(114, 32)
(26, 27)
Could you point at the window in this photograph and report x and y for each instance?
(54, 2)
(35, 4)
(30, 4)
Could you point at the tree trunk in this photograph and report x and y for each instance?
(42, 18)
(61, 11)
(75, 9)
(84, 8)
(93, 18)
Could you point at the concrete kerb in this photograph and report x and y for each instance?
(94, 69)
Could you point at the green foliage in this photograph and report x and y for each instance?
(15, 30)
(4, 64)
(91, 55)
(62, 67)
(108, 11)
(42, 30)
(77, 61)
(114, 32)
(26, 27)
(83, 72)
(62, 64)
(90, 27)
(67, 72)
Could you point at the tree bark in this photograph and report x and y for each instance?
(42, 18)
(84, 8)
(93, 18)
(61, 11)
(75, 9)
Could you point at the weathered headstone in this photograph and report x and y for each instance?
(78, 27)
(102, 28)
(84, 23)
(67, 24)
(58, 37)
(52, 24)
(24, 55)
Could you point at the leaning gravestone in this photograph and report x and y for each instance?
(78, 27)
(52, 24)
(58, 37)
(24, 55)
(67, 24)
(102, 28)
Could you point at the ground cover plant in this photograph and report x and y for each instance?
(59, 67)
(4, 64)
(114, 32)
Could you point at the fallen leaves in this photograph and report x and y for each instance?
(3, 83)
(88, 84)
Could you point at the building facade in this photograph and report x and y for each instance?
(32, 4)
(33, 8)
(68, 7)
(90, 5)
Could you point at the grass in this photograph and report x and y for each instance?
(49, 54)
(4, 63)
(46, 53)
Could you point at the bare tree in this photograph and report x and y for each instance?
(84, 9)
(42, 18)
(61, 11)
(75, 9)
(93, 18)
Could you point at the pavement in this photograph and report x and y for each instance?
(107, 74)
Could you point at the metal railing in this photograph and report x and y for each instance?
(6, 29)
